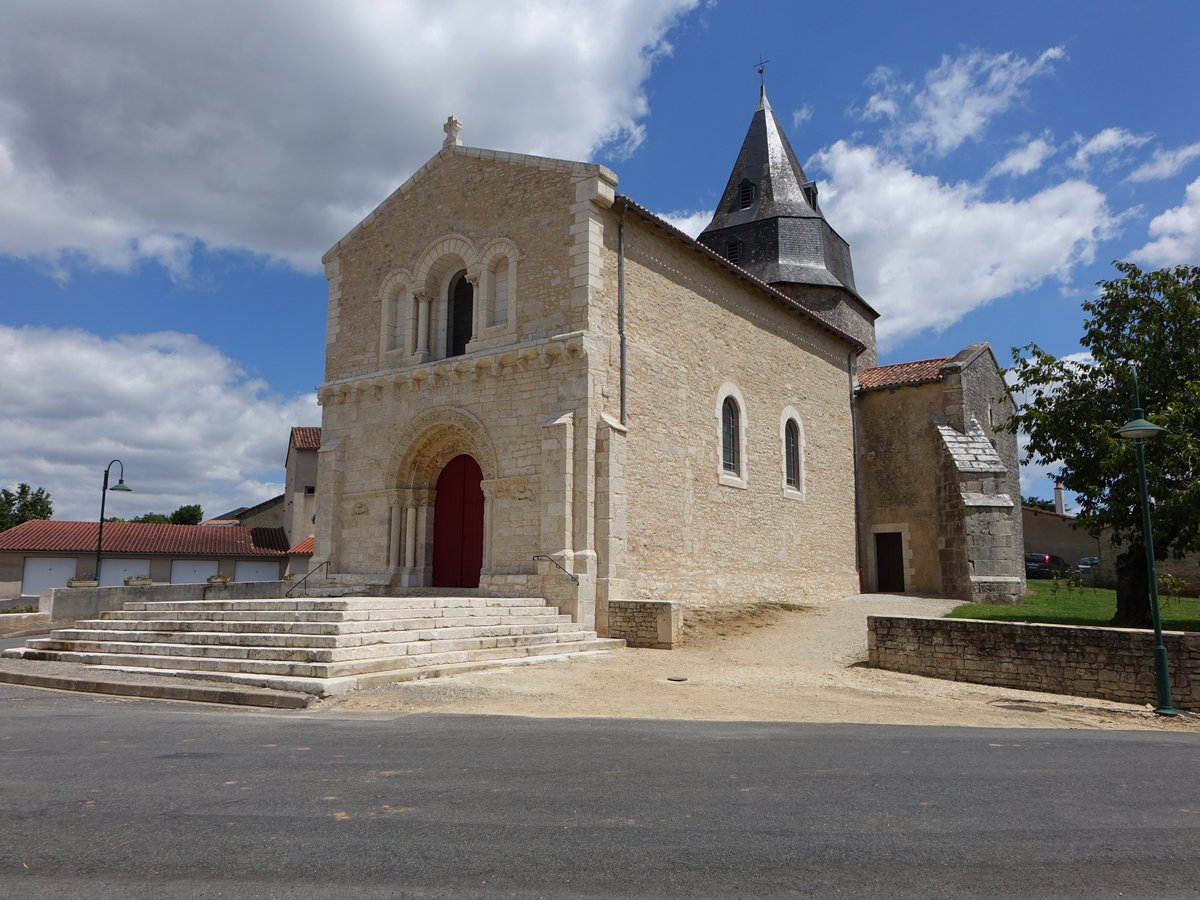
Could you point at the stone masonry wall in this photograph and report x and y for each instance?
(646, 623)
(1109, 663)
(695, 331)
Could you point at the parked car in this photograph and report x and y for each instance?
(1088, 562)
(1044, 565)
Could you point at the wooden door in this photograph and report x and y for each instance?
(458, 524)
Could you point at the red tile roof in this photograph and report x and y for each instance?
(304, 548)
(922, 371)
(136, 537)
(306, 438)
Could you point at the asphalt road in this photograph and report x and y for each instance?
(105, 798)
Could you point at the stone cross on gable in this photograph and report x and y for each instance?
(452, 127)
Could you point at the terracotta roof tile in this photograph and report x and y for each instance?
(306, 438)
(136, 537)
(922, 371)
(304, 548)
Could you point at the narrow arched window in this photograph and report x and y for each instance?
(730, 426)
(460, 300)
(791, 454)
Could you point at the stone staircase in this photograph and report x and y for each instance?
(320, 646)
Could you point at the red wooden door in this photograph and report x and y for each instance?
(458, 524)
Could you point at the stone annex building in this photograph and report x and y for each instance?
(535, 386)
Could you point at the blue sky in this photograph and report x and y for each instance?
(170, 175)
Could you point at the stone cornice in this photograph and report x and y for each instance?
(542, 354)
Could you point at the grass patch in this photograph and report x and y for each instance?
(1061, 604)
(19, 609)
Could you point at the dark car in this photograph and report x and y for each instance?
(1044, 565)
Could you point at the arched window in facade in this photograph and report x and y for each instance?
(791, 437)
(731, 460)
(791, 454)
(459, 309)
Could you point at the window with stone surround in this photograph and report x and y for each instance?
(731, 433)
(791, 434)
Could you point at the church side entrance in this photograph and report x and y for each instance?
(889, 557)
(458, 524)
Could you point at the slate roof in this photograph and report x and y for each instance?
(306, 438)
(137, 537)
(782, 229)
(921, 371)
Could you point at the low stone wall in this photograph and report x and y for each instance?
(88, 603)
(646, 623)
(1109, 663)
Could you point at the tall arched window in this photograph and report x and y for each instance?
(460, 300)
(791, 454)
(730, 436)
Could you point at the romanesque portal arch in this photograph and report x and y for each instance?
(439, 462)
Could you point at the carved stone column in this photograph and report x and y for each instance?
(476, 305)
(424, 299)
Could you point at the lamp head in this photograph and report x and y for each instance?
(120, 486)
(1139, 428)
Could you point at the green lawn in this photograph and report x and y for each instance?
(1059, 605)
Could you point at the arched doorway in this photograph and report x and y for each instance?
(458, 524)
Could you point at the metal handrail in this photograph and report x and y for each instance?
(555, 561)
(288, 593)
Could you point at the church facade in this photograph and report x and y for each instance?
(535, 386)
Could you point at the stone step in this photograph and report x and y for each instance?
(579, 642)
(334, 605)
(523, 616)
(291, 638)
(404, 644)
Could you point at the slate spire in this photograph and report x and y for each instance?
(769, 221)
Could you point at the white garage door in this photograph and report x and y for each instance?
(43, 572)
(113, 572)
(192, 571)
(248, 570)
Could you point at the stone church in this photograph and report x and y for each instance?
(535, 386)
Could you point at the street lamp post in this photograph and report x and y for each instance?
(119, 486)
(1139, 430)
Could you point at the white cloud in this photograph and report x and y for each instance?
(926, 253)
(690, 222)
(1166, 163)
(803, 114)
(130, 130)
(1111, 143)
(1025, 159)
(1176, 234)
(186, 421)
(958, 99)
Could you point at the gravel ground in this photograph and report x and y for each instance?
(757, 663)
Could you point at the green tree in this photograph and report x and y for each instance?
(1073, 409)
(23, 505)
(151, 519)
(188, 515)
(1038, 503)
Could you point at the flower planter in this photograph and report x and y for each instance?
(82, 582)
(218, 579)
(138, 582)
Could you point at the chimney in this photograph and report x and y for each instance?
(1059, 506)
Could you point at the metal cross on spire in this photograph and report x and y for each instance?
(761, 66)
